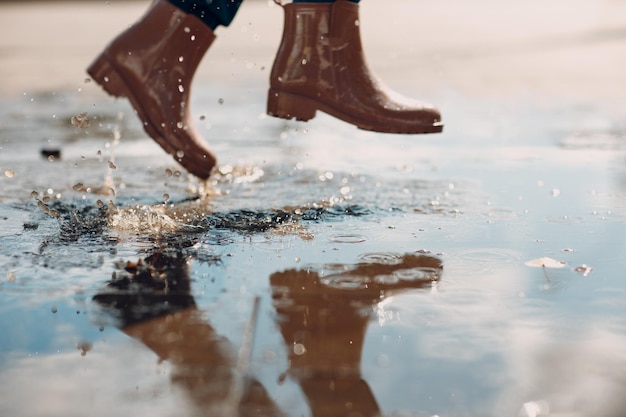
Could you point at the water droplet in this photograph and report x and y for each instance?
(166, 197)
(181, 58)
(78, 186)
(106, 79)
(42, 206)
(180, 125)
(583, 269)
(81, 120)
(181, 88)
(112, 165)
(186, 29)
(9, 173)
(220, 101)
(203, 117)
(84, 347)
(34, 194)
(357, 23)
(304, 61)
(54, 309)
(299, 349)
(180, 154)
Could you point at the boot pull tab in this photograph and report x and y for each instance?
(344, 23)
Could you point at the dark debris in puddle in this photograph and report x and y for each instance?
(79, 221)
(86, 234)
(258, 221)
(76, 222)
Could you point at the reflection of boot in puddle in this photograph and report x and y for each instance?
(154, 287)
(323, 316)
(153, 301)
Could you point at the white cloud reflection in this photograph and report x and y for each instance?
(109, 380)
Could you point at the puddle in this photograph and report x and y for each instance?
(388, 281)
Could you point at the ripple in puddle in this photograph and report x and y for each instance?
(485, 259)
(218, 239)
(345, 282)
(415, 274)
(267, 242)
(348, 238)
(385, 258)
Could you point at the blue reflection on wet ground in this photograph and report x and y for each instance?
(487, 336)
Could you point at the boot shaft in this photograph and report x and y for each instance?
(320, 41)
(164, 37)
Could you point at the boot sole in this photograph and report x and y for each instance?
(104, 73)
(293, 106)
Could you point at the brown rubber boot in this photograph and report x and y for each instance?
(152, 64)
(320, 66)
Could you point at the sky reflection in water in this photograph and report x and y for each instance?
(394, 284)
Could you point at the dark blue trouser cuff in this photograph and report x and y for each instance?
(216, 13)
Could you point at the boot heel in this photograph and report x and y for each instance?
(289, 106)
(107, 77)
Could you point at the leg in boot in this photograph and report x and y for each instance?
(320, 65)
(152, 64)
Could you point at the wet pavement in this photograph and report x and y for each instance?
(323, 270)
